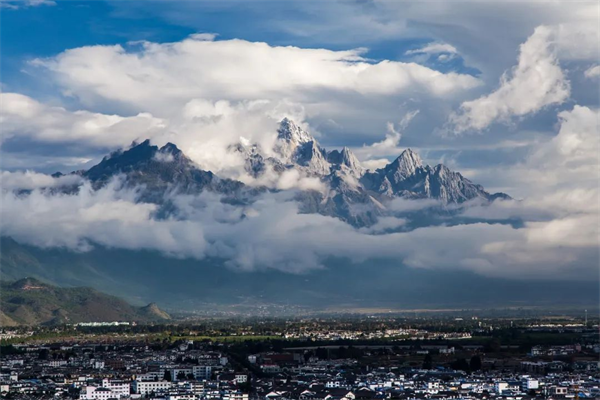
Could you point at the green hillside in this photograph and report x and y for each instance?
(31, 302)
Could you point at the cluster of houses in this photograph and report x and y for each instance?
(204, 371)
(353, 334)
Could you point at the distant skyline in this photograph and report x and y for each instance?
(506, 93)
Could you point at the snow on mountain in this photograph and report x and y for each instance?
(289, 137)
(351, 193)
(346, 161)
(159, 171)
(406, 176)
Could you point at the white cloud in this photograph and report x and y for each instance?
(434, 48)
(29, 180)
(389, 145)
(592, 72)
(536, 82)
(272, 234)
(292, 178)
(567, 161)
(16, 4)
(164, 76)
(22, 116)
(572, 157)
(486, 32)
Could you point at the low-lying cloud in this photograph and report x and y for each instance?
(271, 233)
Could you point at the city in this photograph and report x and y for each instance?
(320, 358)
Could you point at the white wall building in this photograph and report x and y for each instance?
(97, 393)
(122, 388)
(147, 387)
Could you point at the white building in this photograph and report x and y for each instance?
(181, 374)
(122, 388)
(500, 387)
(530, 384)
(235, 396)
(147, 387)
(97, 393)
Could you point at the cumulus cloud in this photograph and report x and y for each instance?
(567, 161)
(536, 82)
(22, 116)
(572, 157)
(160, 76)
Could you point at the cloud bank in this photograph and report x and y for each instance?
(152, 76)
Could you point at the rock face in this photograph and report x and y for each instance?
(407, 177)
(159, 171)
(354, 194)
(345, 161)
(153, 313)
(350, 192)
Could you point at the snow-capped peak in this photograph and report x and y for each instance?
(406, 164)
(347, 160)
(291, 132)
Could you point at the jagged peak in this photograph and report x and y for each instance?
(346, 158)
(349, 157)
(170, 148)
(406, 163)
(135, 143)
(289, 131)
(411, 156)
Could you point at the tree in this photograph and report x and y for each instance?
(43, 354)
(428, 362)
(322, 354)
(475, 363)
(307, 355)
(460, 365)
(493, 346)
(167, 376)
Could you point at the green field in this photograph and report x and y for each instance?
(226, 339)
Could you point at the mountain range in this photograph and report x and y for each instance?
(349, 191)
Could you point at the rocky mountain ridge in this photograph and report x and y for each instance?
(351, 192)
